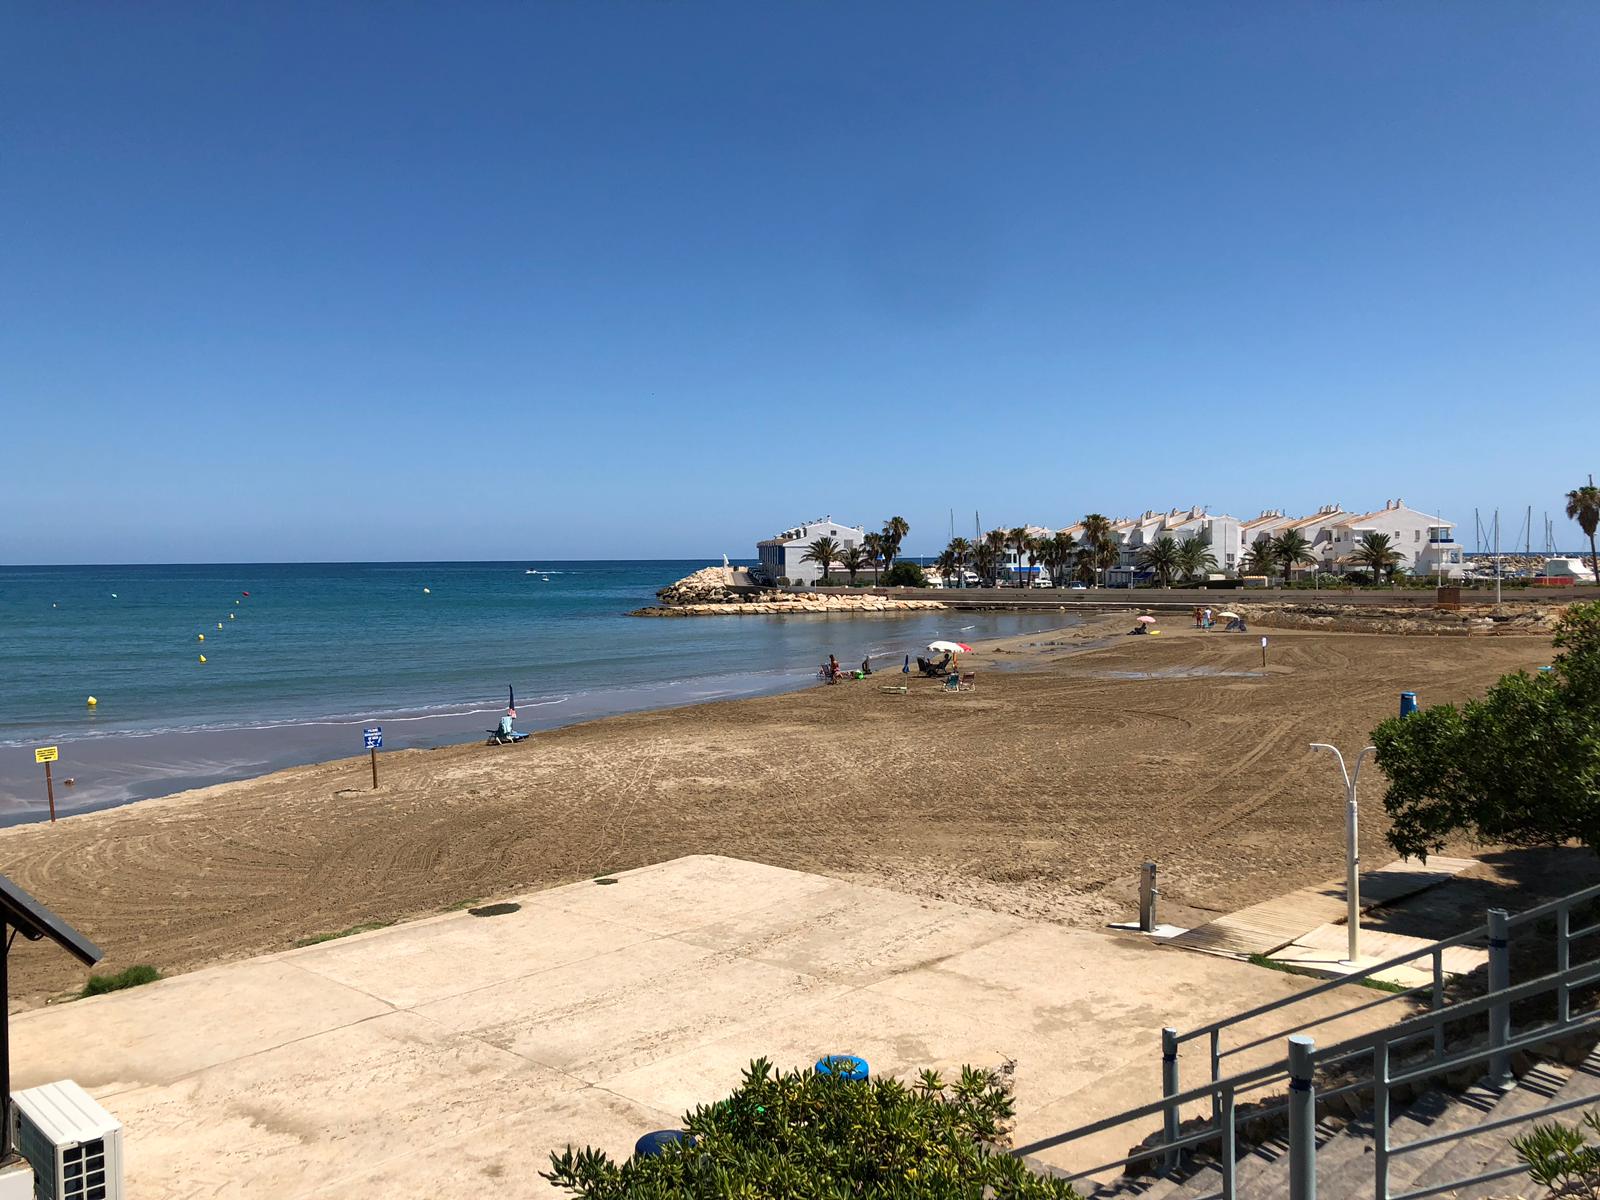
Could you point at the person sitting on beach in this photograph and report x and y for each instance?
(833, 669)
(866, 665)
(507, 732)
(1237, 626)
(1139, 628)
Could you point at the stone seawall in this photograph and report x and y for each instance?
(784, 605)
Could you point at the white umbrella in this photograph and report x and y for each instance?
(950, 647)
(1145, 620)
(1232, 616)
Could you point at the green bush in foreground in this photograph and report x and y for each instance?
(1521, 765)
(1560, 1159)
(905, 574)
(131, 977)
(816, 1137)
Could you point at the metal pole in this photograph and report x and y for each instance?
(50, 791)
(1147, 898)
(1352, 849)
(1169, 1088)
(374, 768)
(1352, 884)
(1302, 1120)
(1380, 1120)
(1228, 1148)
(1564, 959)
(6, 1148)
(1500, 1014)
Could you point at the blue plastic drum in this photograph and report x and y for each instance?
(652, 1144)
(843, 1066)
(1408, 703)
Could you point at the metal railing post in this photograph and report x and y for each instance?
(1302, 1120)
(1169, 1088)
(1499, 1014)
(1216, 1072)
(1380, 1121)
(1564, 959)
(1437, 1004)
(1227, 1148)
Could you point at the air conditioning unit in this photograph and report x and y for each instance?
(74, 1145)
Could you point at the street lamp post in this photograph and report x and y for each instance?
(1352, 885)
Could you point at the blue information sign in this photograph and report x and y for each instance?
(372, 737)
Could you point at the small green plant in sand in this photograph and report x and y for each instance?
(1377, 985)
(815, 1137)
(318, 939)
(129, 977)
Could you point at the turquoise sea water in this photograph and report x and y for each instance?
(316, 651)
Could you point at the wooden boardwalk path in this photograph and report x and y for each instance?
(1273, 924)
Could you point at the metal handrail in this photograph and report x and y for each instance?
(1223, 1092)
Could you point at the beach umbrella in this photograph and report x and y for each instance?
(950, 647)
(1145, 620)
(1232, 616)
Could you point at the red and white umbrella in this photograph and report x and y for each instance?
(950, 647)
(1145, 620)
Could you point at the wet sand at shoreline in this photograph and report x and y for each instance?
(1038, 794)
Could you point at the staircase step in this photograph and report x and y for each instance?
(1496, 1150)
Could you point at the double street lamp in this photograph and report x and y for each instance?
(1352, 887)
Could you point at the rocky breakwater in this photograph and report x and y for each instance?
(726, 592)
(1469, 621)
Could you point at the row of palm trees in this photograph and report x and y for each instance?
(876, 552)
(1168, 558)
(1060, 554)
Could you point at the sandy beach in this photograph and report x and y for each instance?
(1079, 755)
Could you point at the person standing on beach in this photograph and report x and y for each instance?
(833, 669)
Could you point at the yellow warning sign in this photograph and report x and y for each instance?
(46, 754)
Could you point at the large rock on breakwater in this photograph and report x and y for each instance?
(720, 592)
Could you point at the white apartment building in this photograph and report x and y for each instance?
(781, 555)
(1426, 542)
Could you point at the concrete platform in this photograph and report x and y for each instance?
(448, 1057)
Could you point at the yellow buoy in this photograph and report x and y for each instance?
(202, 637)
(427, 591)
(92, 702)
(230, 617)
(202, 658)
(219, 624)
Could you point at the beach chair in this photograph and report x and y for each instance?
(968, 681)
(952, 683)
(497, 738)
(898, 689)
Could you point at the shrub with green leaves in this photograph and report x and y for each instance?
(1560, 1159)
(1522, 765)
(818, 1137)
(905, 574)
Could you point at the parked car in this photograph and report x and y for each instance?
(1078, 586)
(1043, 581)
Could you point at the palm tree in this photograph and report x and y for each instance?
(961, 550)
(1058, 556)
(872, 543)
(822, 552)
(1290, 549)
(1195, 558)
(1084, 565)
(1376, 554)
(1035, 546)
(986, 561)
(1259, 559)
(854, 559)
(996, 540)
(1583, 506)
(894, 532)
(1162, 557)
(1018, 538)
(946, 565)
(1097, 537)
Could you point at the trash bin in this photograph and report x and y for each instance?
(1408, 703)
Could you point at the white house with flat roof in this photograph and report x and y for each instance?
(781, 554)
(1426, 542)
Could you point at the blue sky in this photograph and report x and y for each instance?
(543, 280)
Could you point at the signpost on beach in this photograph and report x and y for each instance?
(1263, 651)
(372, 736)
(48, 755)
